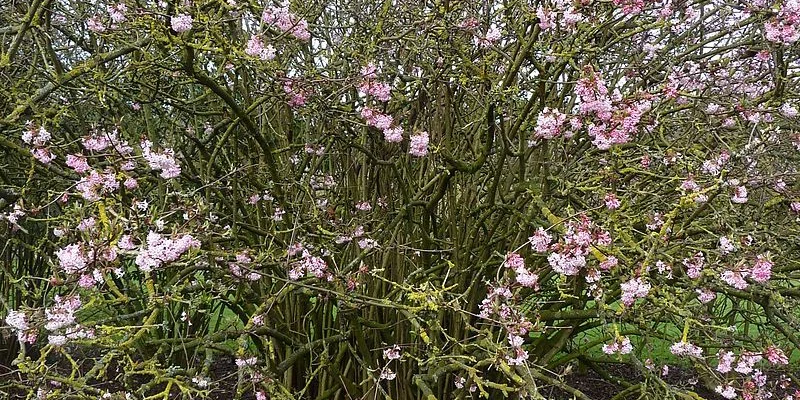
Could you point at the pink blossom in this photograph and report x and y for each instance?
(311, 265)
(96, 184)
(117, 12)
(72, 259)
(725, 361)
(281, 18)
(788, 110)
(18, 321)
(549, 124)
(634, 289)
(621, 345)
(514, 261)
(727, 391)
(181, 23)
(735, 279)
(131, 183)
(784, 27)
(526, 278)
(492, 35)
(726, 245)
(545, 17)
(519, 357)
(244, 362)
(630, 7)
(686, 349)
(95, 24)
(746, 362)
(705, 295)
(256, 48)
(540, 241)
(163, 161)
(739, 195)
(125, 242)
(78, 163)
(392, 353)
(43, 155)
(566, 264)
(86, 224)
(393, 135)
(383, 122)
(62, 313)
(611, 200)
(388, 374)
(609, 263)
(694, 265)
(86, 281)
(762, 269)
(775, 355)
(160, 250)
(419, 145)
(297, 97)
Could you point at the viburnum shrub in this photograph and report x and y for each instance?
(398, 199)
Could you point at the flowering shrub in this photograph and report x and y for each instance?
(359, 199)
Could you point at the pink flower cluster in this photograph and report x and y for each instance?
(18, 321)
(705, 295)
(761, 271)
(540, 241)
(683, 348)
(96, 184)
(72, 259)
(241, 268)
(281, 18)
(117, 12)
(496, 304)
(297, 96)
(612, 201)
(523, 276)
(78, 163)
(607, 127)
(391, 133)
(549, 124)
(99, 141)
(310, 265)
(695, 265)
(371, 86)
(634, 289)
(621, 127)
(520, 355)
(569, 16)
(256, 48)
(38, 138)
(714, 166)
(181, 23)
(569, 255)
(163, 161)
(630, 7)
(785, 26)
(593, 95)
(419, 144)
(739, 195)
(161, 250)
(13, 216)
(621, 345)
(62, 313)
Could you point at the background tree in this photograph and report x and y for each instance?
(397, 199)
